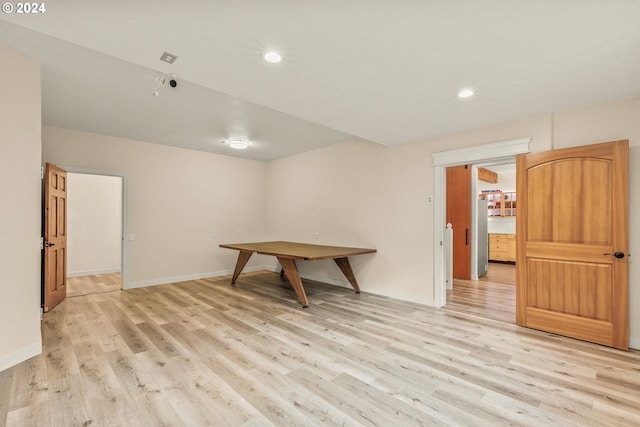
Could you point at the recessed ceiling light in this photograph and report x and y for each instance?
(238, 144)
(273, 57)
(465, 93)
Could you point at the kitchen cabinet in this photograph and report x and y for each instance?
(500, 203)
(502, 247)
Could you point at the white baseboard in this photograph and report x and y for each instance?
(20, 356)
(93, 272)
(634, 343)
(176, 279)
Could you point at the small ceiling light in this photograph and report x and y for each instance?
(273, 57)
(238, 144)
(465, 93)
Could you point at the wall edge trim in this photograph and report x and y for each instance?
(93, 272)
(21, 355)
(185, 278)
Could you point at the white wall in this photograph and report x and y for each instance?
(506, 178)
(363, 194)
(175, 199)
(20, 214)
(502, 225)
(359, 193)
(94, 218)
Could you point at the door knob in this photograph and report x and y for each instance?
(617, 254)
(47, 245)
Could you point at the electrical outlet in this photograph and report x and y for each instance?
(131, 237)
(317, 235)
(214, 234)
(430, 200)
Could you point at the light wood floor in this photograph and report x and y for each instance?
(95, 284)
(207, 353)
(500, 272)
(493, 296)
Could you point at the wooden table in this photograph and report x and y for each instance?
(287, 254)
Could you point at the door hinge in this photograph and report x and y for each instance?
(41, 172)
(41, 243)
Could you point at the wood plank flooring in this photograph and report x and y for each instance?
(94, 284)
(500, 272)
(204, 352)
(493, 296)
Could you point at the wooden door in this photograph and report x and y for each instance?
(459, 215)
(55, 236)
(572, 242)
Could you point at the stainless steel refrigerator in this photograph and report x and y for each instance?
(483, 238)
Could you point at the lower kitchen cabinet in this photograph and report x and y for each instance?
(502, 247)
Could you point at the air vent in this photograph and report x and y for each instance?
(168, 57)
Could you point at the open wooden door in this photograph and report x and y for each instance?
(55, 236)
(572, 232)
(459, 215)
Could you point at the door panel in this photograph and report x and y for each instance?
(573, 216)
(459, 215)
(55, 236)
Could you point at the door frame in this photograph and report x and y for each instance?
(123, 253)
(500, 152)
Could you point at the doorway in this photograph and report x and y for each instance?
(496, 153)
(95, 230)
(499, 211)
(489, 290)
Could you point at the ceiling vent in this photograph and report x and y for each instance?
(169, 58)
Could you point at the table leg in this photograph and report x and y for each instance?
(291, 271)
(243, 257)
(344, 265)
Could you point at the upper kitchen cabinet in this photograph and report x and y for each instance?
(500, 204)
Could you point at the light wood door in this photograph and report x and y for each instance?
(55, 236)
(459, 215)
(572, 242)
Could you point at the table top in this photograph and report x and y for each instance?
(298, 250)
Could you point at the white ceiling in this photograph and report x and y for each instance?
(385, 71)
